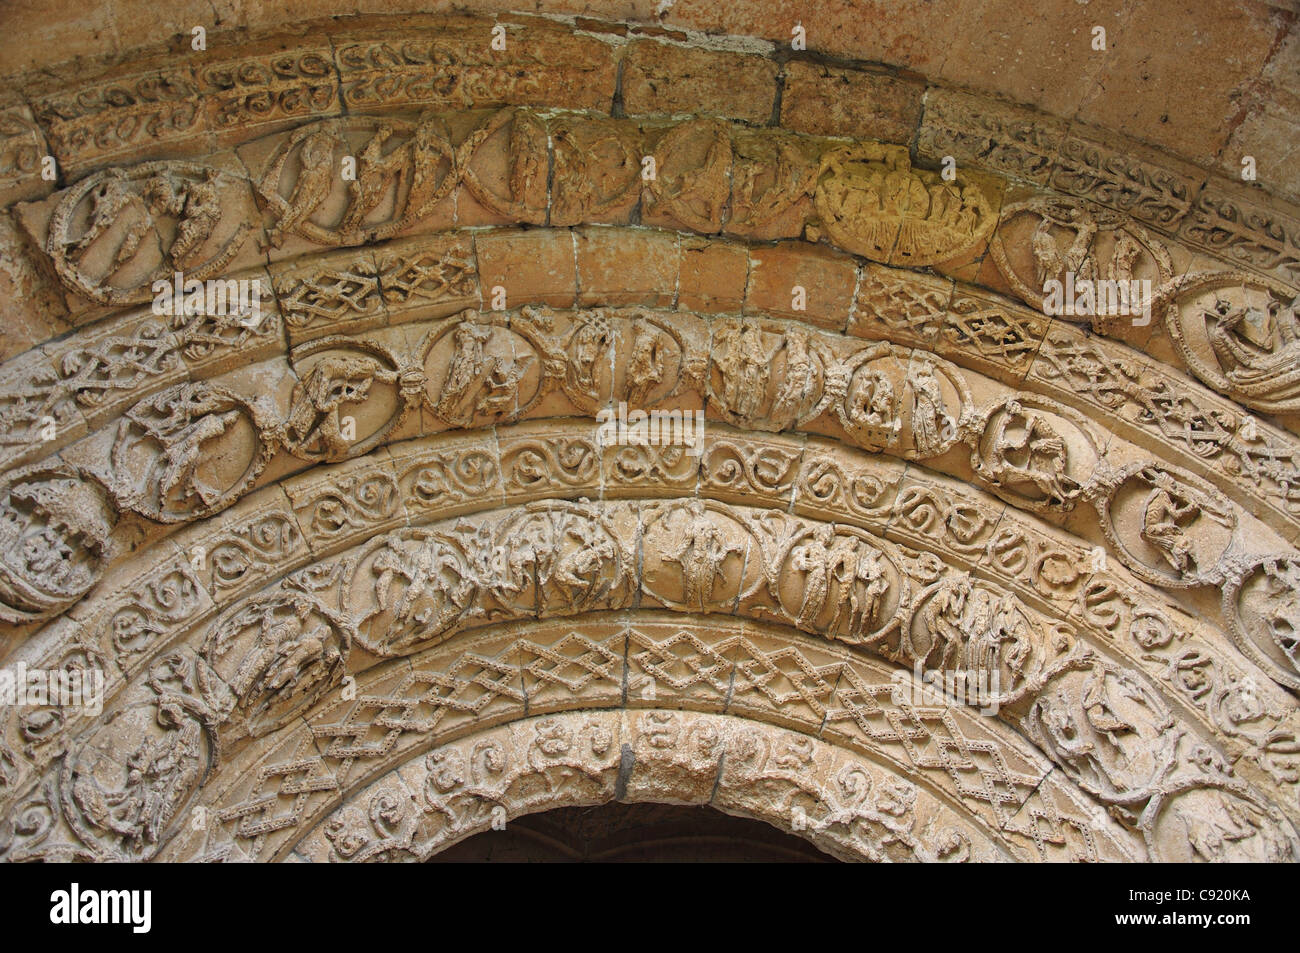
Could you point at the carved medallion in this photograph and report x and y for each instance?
(54, 541)
(1218, 825)
(1047, 239)
(1036, 453)
(907, 402)
(700, 557)
(118, 231)
(479, 374)
(1170, 527)
(188, 452)
(559, 559)
(764, 377)
(961, 626)
(349, 397)
(407, 588)
(873, 203)
(1240, 333)
(841, 581)
(123, 785)
(1262, 607)
(1108, 730)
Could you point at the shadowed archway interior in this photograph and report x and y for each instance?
(633, 833)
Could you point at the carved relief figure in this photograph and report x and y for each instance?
(962, 625)
(931, 424)
(702, 555)
(320, 399)
(745, 361)
(1258, 348)
(589, 344)
(54, 537)
(479, 383)
(374, 173)
(814, 559)
(1026, 449)
(871, 405)
(645, 365)
(100, 233)
(798, 383)
(1165, 519)
(315, 179)
(164, 462)
(434, 578)
(124, 807)
(858, 570)
(1108, 729)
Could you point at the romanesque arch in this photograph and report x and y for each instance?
(926, 572)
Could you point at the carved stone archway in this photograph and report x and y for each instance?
(372, 544)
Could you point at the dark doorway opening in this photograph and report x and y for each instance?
(634, 833)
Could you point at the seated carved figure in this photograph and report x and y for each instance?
(1258, 349)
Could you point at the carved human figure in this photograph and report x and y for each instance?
(702, 554)
(108, 199)
(577, 570)
(1123, 258)
(476, 382)
(871, 406)
(858, 570)
(426, 151)
(287, 648)
(1165, 516)
(745, 362)
(1049, 262)
(589, 344)
(1257, 348)
(1002, 639)
(645, 365)
(1026, 448)
(113, 200)
(425, 566)
(373, 175)
(315, 179)
(814, 559)
(797, 381)
(930, 420)
(181, 458)
(945, 619)
(200, 211)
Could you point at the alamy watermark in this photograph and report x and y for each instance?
(238, 297)
(978, 688)
(655, 428)
(21, 686)
(1107, 297)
